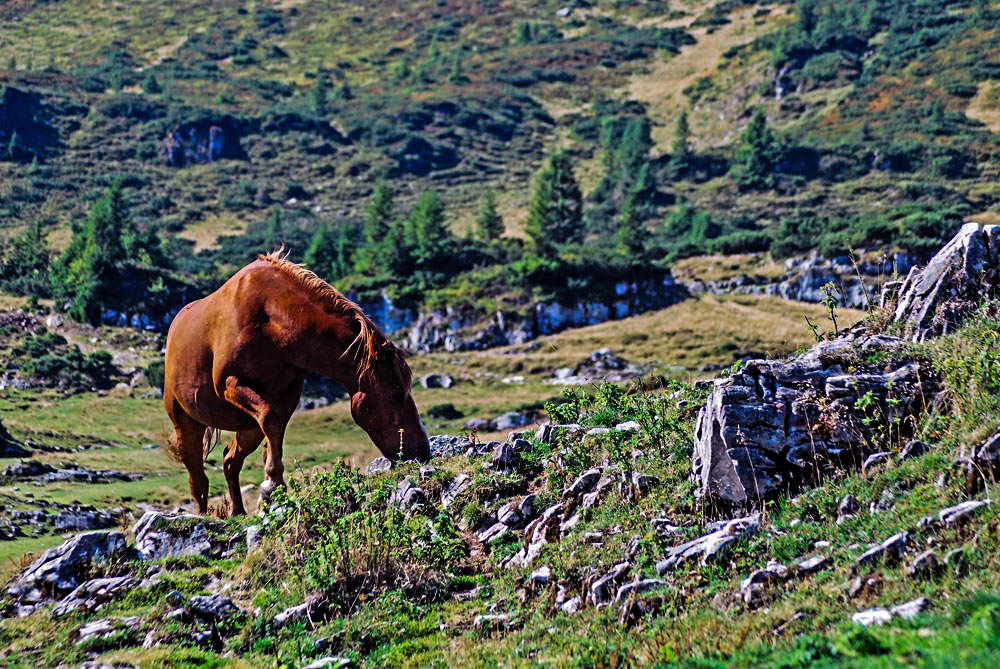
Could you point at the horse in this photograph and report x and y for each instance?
(236, 360)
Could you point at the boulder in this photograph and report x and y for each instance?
(85, 518)
(159, 536)
(891, 549)
(436, 381)
(446, 445)
(61, 569)
(93, 594)
(936, 299)
(778, 424)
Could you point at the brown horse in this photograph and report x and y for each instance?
(236, 361)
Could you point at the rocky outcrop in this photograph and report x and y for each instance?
(203, 141)
(936, 299)
(775, 425)
(9, 446)
(454, 330)
(158, 536)
(61, 569)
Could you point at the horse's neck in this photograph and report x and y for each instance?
(325, 344)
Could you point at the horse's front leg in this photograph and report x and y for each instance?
(272, 418)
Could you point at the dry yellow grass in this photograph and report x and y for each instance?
(662, 85)
(985, 106)
(206, 232)
(714, 268)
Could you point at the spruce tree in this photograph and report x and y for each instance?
(150, 85)
(319, 95)
(489, 224)
(376, 232)
(25, 268)
(427, 230)
(556, 210)
(321, 254)
(681, 152)
(631, 235)
(758, 154)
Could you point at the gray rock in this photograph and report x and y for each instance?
(93, 594)
(583, 483)
(253, 537)
(870, 617)
(756, 435)
(571, 605)
(436, 381)
(504, 458)
(924, 564)
(291, 614)
(446, 445)
(329, 662)
(601, 589)
(848, 505)
(812, 565)
(493, 533)
(79, 519)
(862, 585)
(378, 465)
(874, 460)
(889, 550)
(639, 587)
(709, 547)
(937, 299)
(458, 485)
(491, 621)
(542, 530)
(60, 570)
(774, 572)
(159, 536)
(407, 496)
(511, 420)
(213, 607)
(961, 513)
(913, 449)
(103, 629)
(548, 433)
(911, 609)
(541, 576)
(628, 426)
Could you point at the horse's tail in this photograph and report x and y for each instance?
(211, 439)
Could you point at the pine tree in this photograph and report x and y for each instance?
(319, 95)
(807, 16)
(377, 226)
(681, 153)
(427, 230)
(91, 263)
(556, 210)
(631, 235)
(321, 254)
(150, 85)
(26, 265)
(489, 224)
(758, 154)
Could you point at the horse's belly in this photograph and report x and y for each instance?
(206, 407)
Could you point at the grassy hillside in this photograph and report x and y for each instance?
(872, 132)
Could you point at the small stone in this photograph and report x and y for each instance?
(493, 533)
(960, 513)
(491, 621)
(863, 585)
(912, 608)
(913, 449)
(541, 576)
(890, 549)
(877, 616)
(628, 426)
(329, 662)
(378, 465)
(924, 564)
(292, 613)
(639, 587)
(874, 460)
(253, 537)
(571, 605)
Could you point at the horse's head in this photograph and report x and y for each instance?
(383, 406)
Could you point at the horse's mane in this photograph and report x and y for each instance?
(370, 339)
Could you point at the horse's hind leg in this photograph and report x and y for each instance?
(242, 445)
(190, 444)
(272, 418)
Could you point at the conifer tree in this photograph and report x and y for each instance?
(556, 210)
(489, 224)
(427, 230)
(681, 153)
(758, 154)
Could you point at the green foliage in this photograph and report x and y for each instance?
(680, 154)
(757, 155)
(427, 231)
(25, 266)
(319, 94)
(154, 373)
(489, 223)
(150, 85)
(331, 251)
(556, 208)
(374, 256)
(47, 357)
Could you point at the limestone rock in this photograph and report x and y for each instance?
(158, 536)
(936, 300)
(709, 547)
(61, 569)
(777, 424)
(93, 594)
(890, 549)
